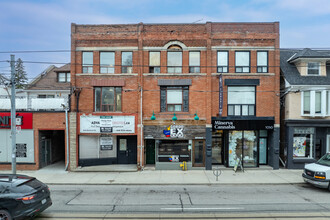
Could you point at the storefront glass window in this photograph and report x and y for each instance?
(235, 146)
(303, 143)
(173, 151)
(243, 147)
(250, 149)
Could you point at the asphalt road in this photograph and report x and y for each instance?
(203, 199)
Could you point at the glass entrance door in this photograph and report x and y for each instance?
(217, 147)
(198, 160)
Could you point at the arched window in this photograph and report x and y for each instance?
(174, 59)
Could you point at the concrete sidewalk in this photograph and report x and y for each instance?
(167, 177)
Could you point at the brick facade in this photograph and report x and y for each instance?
(203, 92)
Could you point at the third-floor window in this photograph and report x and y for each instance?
(174, 62)
(262, 61)
(126, 62)
(87, 62)
(107, 62)
(194, 62)
(222, 62)
(242, 61)
(154, 62)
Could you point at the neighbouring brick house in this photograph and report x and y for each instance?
(305, 83)
(41, 139)
(160, 94)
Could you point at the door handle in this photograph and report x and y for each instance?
(126, 153)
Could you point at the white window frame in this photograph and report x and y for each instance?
(324, 103)
(176, 58)
(194, 64)
(63, 77)
(107, 65)
(222, 61)
(241, 66)
(318, 68)
(87, 65)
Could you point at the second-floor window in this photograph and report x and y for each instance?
(126, 62)
(262, 62)
(315, 103)
(174, 99)
(45, 96)
(242, 61)
(194, 62)
(63, 77)
(107, 62)
(241, 100)
(313, 68)
(107, 99)
(174, 62)
(154, 62)
(222, 62)
(87, 62)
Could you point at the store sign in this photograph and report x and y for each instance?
(304, 130)
(106, 143)
(22, 119)
(107, 124)
(242, 125)
(174, 131)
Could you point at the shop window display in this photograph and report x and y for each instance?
(243, 146)
(303, 146)
(173, 151)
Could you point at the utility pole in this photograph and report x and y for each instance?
(13, 114)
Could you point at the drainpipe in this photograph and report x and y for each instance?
(141, 129)
(67, 137)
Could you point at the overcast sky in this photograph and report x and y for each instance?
(40, 25)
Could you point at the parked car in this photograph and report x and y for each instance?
(318, 174)
(22, 196)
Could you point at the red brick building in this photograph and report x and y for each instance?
(166, 93)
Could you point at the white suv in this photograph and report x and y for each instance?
(318, 174)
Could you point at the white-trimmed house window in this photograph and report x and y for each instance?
(313, 68)
(315, 103)
(63, 77)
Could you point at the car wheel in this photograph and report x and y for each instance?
(5, 215)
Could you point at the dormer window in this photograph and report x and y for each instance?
(313, 68)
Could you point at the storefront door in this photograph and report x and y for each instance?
(198, 153)
(45, 153)
(150, 151)
(127, 149)
(217, 148)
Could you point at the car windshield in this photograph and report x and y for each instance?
(325, 160)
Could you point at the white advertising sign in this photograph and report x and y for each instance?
(107, 124)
